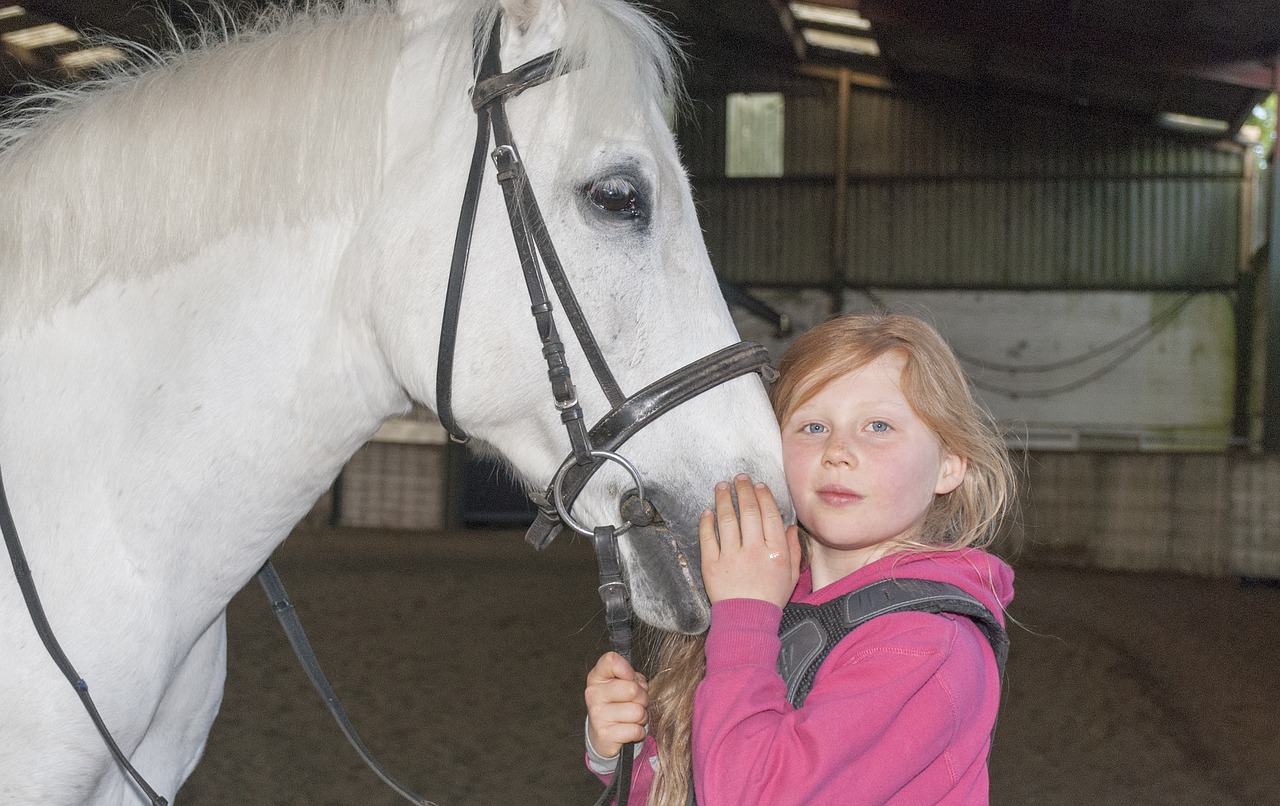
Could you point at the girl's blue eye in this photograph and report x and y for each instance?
(879, 427)
(813, 428)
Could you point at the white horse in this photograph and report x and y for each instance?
(222, 272)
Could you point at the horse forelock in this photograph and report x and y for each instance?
(628, 62)
(275, 121)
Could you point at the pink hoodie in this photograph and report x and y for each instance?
(901, 711)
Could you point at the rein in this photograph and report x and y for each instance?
(38, 618)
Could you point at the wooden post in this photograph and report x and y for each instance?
(840, 211)
(1245, 305)
(1271, 348)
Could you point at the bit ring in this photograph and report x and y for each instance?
(557, 491)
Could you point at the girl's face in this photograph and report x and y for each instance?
(862, 468)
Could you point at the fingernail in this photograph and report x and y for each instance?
(722, 485)
(742, 477)
(759, 485)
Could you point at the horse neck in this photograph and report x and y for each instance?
(193, 417)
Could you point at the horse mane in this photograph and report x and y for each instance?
(276, 120)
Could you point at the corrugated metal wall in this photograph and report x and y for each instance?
(948, 195)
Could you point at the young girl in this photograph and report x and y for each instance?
(895, 472)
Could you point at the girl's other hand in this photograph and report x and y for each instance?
(751, 553)
(617, 705)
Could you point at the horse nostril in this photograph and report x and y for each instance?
(638, 511)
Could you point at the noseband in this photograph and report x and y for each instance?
(590, 449)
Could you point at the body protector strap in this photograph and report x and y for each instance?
(810, 632)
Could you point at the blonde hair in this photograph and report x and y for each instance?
(935, 386)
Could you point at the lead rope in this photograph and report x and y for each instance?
(617, 620)
(288, 617)
(26, 583)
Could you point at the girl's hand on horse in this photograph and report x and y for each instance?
(750, 553)
(617, 705)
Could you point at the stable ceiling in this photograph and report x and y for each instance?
(1211, 60)
(1130, 59)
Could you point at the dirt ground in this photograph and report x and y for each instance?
(461, 659)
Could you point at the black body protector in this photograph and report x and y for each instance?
(810, 632)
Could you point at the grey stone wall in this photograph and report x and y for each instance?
(1208, 514)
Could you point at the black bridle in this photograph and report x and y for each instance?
(590, 448)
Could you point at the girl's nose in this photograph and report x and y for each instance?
(837, 453)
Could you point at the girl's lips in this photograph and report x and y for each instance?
(835, 495)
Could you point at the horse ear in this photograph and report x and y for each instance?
(522, 13)
(417, 13)
(530, 28)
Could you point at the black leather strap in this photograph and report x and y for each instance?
(533, 240)
(528, 227)
(288, 617)
(26, 583)
(649, 403)
(493, 85)
(617, 620)
(512, 178)
(568, 301)
(613, 590)
(458, 264)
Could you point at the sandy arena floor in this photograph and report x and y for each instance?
(461, 659)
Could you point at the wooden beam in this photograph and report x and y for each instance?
(869, 81)
(789, 28)
(1254, 75)
(1042, 34)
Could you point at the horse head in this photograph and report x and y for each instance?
(603, 163)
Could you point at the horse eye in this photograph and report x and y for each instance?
(615, 195)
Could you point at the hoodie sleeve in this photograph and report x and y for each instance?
(642, 770)
(901, 711)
